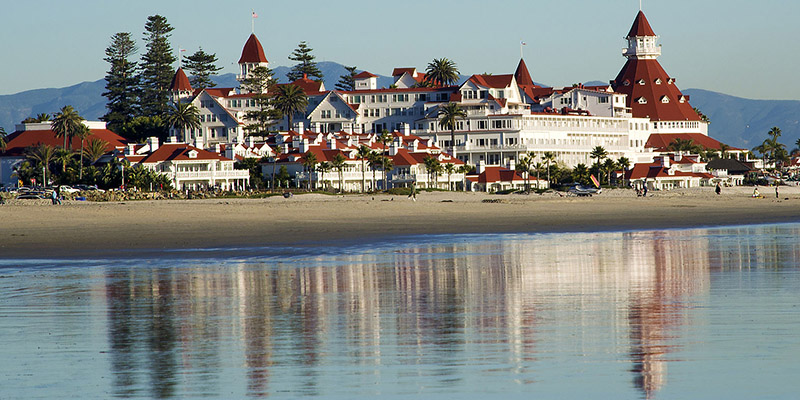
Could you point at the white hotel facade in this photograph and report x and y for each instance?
(507, 115)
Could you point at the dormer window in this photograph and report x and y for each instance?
(671, 81)
(641, 82)
(664, 99)
(682, 99)
(658, 81)
(626, 82)
(192, 154)
(641, 100)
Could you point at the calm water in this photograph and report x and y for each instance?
(664, 314)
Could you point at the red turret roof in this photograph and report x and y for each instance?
(522, 75)
(641, 27)
(364, 75)
(180, 82)
(651, 92)
(253, 52)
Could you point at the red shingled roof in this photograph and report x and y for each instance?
(364, 75)
(401, 71)
(180, 83)
(308, 85)
(492, 174)
(522, 75)
(18, 141)
(492, 81)
(180, 152)
(252, 52)
(649, 72)
(660, 142)
(641, 27)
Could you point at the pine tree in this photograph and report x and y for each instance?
(305, 64)
(260, 81)
(347, 81)
(156, 67)
(201, 67)
(121, 81)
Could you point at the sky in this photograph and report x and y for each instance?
(743, 48)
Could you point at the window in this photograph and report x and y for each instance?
(641, 100)
(602, 100)
(665, 99)
(501, 94)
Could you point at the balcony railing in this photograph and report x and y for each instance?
(235, 174)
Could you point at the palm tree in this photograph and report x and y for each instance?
(63, 157)
(723, 150)
(96, 149)
(448, 114)
(288, 100)
(66, 123)
(580, 173)
(524, 166)
(43, 155)
(449, 168)
(548, 157)
(385, 138)
(599, 153)
(538, 168)
(182, 116)
(338, 163)
(624, 163)
(387, 165)
(363, 154)
(83, 132)
(441, 72)
(433, 166)
(278, 150)
(310, 161)
(464, 169)
(374, 161)
(609, 166)
(323, 168)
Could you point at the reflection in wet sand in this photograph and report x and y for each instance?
(381, 321)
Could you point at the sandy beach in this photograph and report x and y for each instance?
(34, 228)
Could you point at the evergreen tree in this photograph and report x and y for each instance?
(260, 81)
(156, 67)
(305, 63)
(201, 67)
(121, 80)
(347, 81)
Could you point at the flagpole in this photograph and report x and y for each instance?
(252, 21)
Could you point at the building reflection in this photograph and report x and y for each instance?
(437, 306)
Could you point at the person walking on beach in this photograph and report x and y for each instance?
(776, 191)
(718, 189)
(413, 195)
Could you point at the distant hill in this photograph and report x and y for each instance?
(743, 122)
(736, 121)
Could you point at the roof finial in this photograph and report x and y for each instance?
(521, 43)
(640, 5)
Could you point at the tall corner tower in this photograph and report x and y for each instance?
(252, 57)
(651, 92)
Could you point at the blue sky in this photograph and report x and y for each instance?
(740, 47)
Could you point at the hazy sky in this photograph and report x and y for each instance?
(741, 47)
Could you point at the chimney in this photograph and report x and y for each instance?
(415, 146)
(300, 127)
(332, 143)
(198, 142)
(481, 167)
(229, 153)
(303, 146)
(152, 142)
(512, 165)
(406, 129)
(129, 151)
(305, 76)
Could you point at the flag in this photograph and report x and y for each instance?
(523, 43)
(182, 50)
(255, 15)
(594, 180)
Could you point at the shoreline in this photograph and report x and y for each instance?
(35, 229)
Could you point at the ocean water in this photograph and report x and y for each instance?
(677, 314)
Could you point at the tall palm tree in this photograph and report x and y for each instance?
(182, 116)
(537, 166)
(580, 173)
(278, 150)
(323, 168)
(524, 166)
(599, 153)
(624, 163)
(96, 149)
(448, 114)
(83, 132)
(464, 169)
(66, 123)
(363, 154)
(288, 100)
(63, 157)
(609, 166)
(433, 166)
(441, 72)
(310, 161)
(43, 155)
(385, 138)
(449, 168)
(387, 165)
(338, 163)
(374, 161)
(548, 157)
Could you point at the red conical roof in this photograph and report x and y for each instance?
(645, 81)
(252, 52)
(641, 27)
(180, 82)
(522, 75)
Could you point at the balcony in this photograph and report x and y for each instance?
(211, 175)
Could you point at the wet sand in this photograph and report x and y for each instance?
(34, 228)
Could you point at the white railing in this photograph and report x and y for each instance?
(235, 174)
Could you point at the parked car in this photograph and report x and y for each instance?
(68, 189)
(32, 195)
